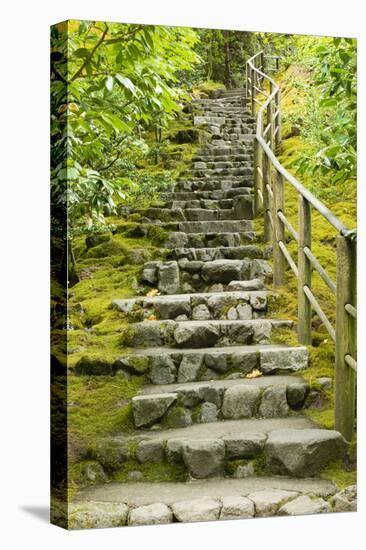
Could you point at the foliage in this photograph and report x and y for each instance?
(109, 83)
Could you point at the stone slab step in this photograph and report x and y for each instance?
(136, 494)
(186, 403)
(207, 156)
(208, 364)
(202, 334)
(290, 446)
(216, 194)
(215, 172)
(213, 184)
(178, 239)
(191, 214)
(219, 253)
(198, 306)
(184, 276)
(216, 226)
(207, 204)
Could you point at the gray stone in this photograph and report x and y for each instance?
(177, 240)
(219, 304)
(218, 287)
(325, 382)
(304, 505)
(148, 409)
(203, 336)
(203, 509)
(296, 395)
(204, 458)
(303, 453)
(217, 361)
(244, 362)
(162, 369)
(274, 402)
(248, 445)
(150, 451)
(244, 470)
(201, 313)
(236, 507)
(262, 332)
(268, 501)
(178, 417)
(174, 450)
(258, 301)
(209, 413)
(345, 500)
(221, 271)
(190, 367)
(212, 394)
(150, 273)
(97, 515)
(171, 307)
(94, 472)
(240, 401)
(260, 269)
(169, 278)
(147, 334)
(253, 284)
(244, 312)
(232, 314)
(152, 514)
(181, 318)
(291, 359)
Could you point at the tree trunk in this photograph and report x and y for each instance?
(228, 79)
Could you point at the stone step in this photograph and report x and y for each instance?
(202, 334)
(218, 164)
(213, 184)
(216, 194)
(187, 276)
(191, 214)
(214, 172)
(234, 157)
(208, 240)
(201, 203)
(289, 446)
(191, 402)
(198, 306)
(208, 363)
(215, 226)
(219, 253)
(147, 503)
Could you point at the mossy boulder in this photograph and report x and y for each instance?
(94, 240)
(93, 366)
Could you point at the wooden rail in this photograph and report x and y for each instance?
(269, 180)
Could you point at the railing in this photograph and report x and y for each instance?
(270, 178)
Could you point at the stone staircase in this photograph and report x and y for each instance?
(222, 401)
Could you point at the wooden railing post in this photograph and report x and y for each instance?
(267, 236)
(278, 139)
(270, 118)
(278, 231)
(345, 381)
(304, 267)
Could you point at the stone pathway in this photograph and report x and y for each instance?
(223, 401)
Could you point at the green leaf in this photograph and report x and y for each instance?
(109, 83)
(81, 52)
(125, 82)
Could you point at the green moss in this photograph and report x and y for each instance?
(336, 472)
(151, 472)
(100, 405)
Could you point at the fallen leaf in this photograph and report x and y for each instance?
(153, 292)
(255, 373)
(151, 318)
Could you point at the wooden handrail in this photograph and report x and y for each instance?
(269, 179)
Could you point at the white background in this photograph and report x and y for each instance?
(24, 256)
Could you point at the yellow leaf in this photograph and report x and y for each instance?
(153, 292)
(255, 373)
(151, 318)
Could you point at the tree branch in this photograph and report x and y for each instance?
(88, 58)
